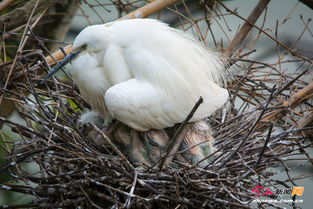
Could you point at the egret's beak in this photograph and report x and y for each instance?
(60, 65)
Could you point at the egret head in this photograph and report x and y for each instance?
(93, 39)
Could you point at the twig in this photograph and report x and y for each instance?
(306, 120)
(264, 146)
(23, 158)
(246, 27)
(58, 55)
(260, 156)
(5, 3)
(295, 100)
(224, 202)
(19, 16)
(287, 85)
(149, 9)
(270, 36)
(131, 193)
(177, 138)
(230, 156)
(122, 156)
(22, 44)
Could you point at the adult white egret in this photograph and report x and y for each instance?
(146, 74)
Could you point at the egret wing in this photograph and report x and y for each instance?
(159, 95)
(141, 106)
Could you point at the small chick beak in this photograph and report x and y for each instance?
(60, 65)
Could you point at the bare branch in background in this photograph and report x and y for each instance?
(20, 16)
(246, 27)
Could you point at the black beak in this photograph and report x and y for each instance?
(60, 65)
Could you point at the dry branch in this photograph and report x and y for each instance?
(5, 3)
(295, 100)
(20, 16)
(294, 53)
(58, 55)
(178, 136)
(150, 9)
(246, 27)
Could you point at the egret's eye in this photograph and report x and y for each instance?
(83, 47)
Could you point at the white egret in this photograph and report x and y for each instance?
(146, 74)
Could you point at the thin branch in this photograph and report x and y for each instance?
(270, 36)
(177, 138)
(294, 101)
(230, 156)
(246, 27)
(19, 16)
(5, 3)
(122, 156)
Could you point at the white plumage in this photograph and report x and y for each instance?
(146, 74)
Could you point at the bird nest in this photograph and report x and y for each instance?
(262, 127)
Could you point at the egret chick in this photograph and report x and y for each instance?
(146, 74)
